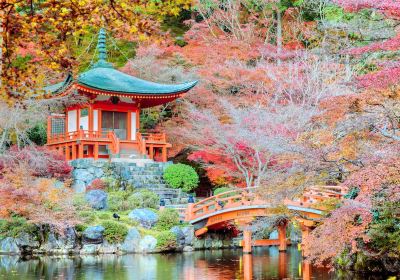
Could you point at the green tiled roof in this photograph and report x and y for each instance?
(109, 79)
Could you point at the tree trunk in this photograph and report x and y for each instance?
(279, 34)
(1, 45)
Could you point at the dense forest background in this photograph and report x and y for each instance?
(292, 93)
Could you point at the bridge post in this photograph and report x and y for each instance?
(247, 267)
(189, 209)
(247, 241)
(282, 237)
(305, 231)
(307, 271)
(282, 265)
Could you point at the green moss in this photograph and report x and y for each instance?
(15, 226)
(80, 203)
(166, 240)
(167, 219)
(114, 232)
(124, 201)
(143, 199)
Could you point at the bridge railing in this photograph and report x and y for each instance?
(225, 200)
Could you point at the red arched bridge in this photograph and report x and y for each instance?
(242, 206)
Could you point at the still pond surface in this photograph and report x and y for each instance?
(264, 263)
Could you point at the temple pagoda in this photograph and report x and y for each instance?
(107, 125)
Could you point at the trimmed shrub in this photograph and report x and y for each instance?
(143, 199)
(114, 232)
(38, 134)
(181, 176)
(167, 218)
(166, 240)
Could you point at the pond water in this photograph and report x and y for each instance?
(264, 263)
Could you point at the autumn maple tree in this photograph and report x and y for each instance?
(38, 37)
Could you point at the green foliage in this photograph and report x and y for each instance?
(181, 176)
(38, 134)
(123, 200)
(167, 219)
(166, 240)
(385, 231)
(117, 201)
(149, 118)
(143, 199)
(114, 232)
(336, 13)
(353, 193)
(15, 226)
(328, 204)
(79, 202)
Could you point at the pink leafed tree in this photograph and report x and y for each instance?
(247, 143)
(387, 73)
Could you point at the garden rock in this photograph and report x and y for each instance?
(147, 244)
(97, 199)
(131, 242)
(180, 236)
(189, 235)
(93, 235)
(145, 217)
(79, 186)
(9, 245)
(26, 243)
(82, 175)
(60, 244)
(187, 249)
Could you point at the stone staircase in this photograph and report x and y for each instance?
(145, 173)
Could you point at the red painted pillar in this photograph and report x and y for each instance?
(96, 151)
(48, 129)
(164, 154)
(282, 237)
(246, 241)
(73, 151)
(67, 153)
(282, 265)
(247, 267)
(307, 271)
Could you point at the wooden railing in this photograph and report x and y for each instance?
(225, 200)
(141, 143)
(115, 145)
(154, 137)
(76, 135)
(311, 198)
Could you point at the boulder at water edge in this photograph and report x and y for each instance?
(145, 217)
(97, 199)
(180, 236)
(93, 235)
(147, 244)
(8, 245)
(131, 242)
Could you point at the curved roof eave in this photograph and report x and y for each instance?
(59, 87)
(179, 88)
(112, 80)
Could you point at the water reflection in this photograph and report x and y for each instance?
(264, 263)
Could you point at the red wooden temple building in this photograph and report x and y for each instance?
(108, 123)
